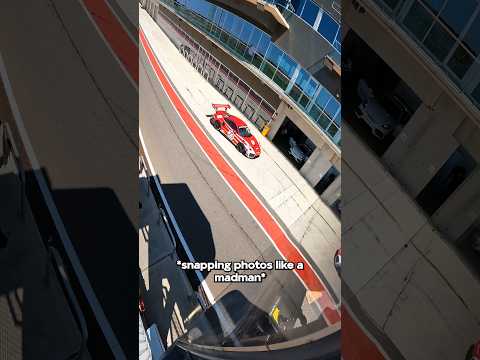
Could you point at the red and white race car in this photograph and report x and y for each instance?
(235, 130)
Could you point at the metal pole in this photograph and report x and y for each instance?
(22, 190)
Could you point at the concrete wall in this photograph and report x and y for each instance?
(324, 156)
(333, 191)
(381, 39)
(395, 263)
(433, 133)
(462, 208)
(301, 36)
(303, 122)
(317, 165)
(415, 163)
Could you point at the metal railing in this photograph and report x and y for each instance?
(56, 259)
(9, 149)
(255, 108)
(166, 214)
(153, 189)
(312, 98)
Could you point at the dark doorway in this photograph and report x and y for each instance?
(328, 178)
(453, 173)
(469, 247)
(376, 102)
(293, 143)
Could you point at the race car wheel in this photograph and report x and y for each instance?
(241, 148)
(216, 124)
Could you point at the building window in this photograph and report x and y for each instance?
(456, 14)
(298, 6)
(476, 94)
(434, 5)
(328, 27)
(332, 130)
(392, 4)
(322, 98)
(439, 42)
(418, 20)
(287, 65)
(255, 46)
(324, 121)
(332, 107)
(472, 38)
(310, 12)
(281, 80)
(460, 61)
(314, 112)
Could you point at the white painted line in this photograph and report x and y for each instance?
(67, 243)
(135, 85)
(227, 323)
(235, 193)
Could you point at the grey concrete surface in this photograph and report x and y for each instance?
(280, 186)
(35, 318)
(215, 223)
(414, 288)
(168, 296)
(84, 133)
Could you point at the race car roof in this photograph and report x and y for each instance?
(237, 121)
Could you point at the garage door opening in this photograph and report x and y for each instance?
(293, 143)
(376, 102)
(450, 176)
(327, 180)
(469, 247)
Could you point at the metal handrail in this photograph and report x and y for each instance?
(72, 300)
(158, 201)
(189, 39)
(11, 149)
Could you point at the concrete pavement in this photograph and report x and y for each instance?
(36, 321)
(168, 296)
(403, 274)
(293, 201)
(84, 132)
(214, 223)
(398, 256)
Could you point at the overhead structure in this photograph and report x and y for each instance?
(262, 14)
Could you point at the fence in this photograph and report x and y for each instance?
(250, 103)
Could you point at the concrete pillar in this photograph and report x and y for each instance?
(414, 162)
(279, 119)
(461, 210)
(317, 165)
(333, 191)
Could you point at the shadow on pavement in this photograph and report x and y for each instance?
(195, 227)
(168, 291)
(36, 320)
(104, 239)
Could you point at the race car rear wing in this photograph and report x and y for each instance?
(220, 110)
(221, 107)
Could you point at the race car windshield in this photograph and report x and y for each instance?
(244, 132)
